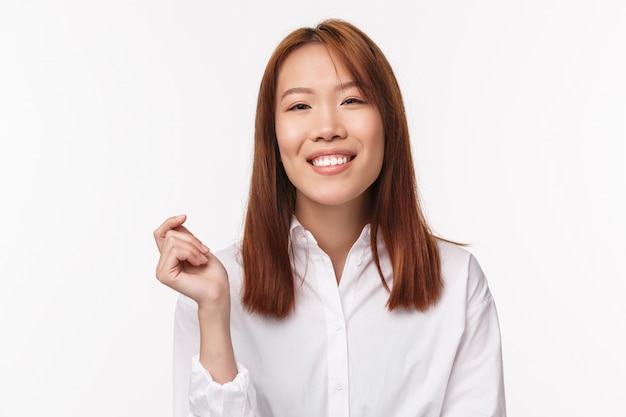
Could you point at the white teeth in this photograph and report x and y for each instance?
(332, 161)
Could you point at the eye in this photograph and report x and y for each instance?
(353, 100)
(299, 106)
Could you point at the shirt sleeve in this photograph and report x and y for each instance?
(476, 384)
(195, 392)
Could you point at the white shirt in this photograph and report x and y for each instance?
(342, 353)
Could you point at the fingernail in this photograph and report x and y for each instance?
(180, 216)
(205, 248)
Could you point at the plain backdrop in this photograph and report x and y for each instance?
(115, 114)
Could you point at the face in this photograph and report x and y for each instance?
(331, 140)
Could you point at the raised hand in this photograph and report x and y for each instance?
(188, 266)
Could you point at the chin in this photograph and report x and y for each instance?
(335, 199)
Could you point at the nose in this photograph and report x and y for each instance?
(328, 125)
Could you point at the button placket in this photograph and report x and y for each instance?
(336, 339)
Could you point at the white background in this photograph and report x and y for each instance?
(116, 114)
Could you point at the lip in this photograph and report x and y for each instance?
(326, 152)
(331, 169)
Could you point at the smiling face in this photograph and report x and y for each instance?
(331, 139)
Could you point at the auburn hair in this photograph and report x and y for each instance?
(269, 287)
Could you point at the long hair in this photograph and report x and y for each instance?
(269, 287)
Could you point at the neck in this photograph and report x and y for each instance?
(335, 228)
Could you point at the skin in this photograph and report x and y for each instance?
(187, 266)
(319, 112)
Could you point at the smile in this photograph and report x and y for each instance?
(330, 160)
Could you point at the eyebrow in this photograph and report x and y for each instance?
(304, 90)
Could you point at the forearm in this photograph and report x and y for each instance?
(216, 349)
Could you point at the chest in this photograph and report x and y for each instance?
(342, 349)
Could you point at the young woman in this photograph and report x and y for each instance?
(339, 301)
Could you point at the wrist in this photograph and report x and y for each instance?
(216, 350)
(214, 300)
(214, 311)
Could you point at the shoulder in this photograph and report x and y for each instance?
(452, 254)
(462, 273)
(230, 256)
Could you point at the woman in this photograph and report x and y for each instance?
(339, 300)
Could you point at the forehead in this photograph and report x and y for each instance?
(311, 63)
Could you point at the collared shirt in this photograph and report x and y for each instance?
(342, 352)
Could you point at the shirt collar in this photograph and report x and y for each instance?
(299, 234)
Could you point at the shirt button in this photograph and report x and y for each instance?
(339, 386)
(358, 261)
(338, 325)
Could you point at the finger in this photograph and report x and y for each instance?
(187, 234)
(173, 255)
(169, 224)
(174, 239)
(182, 232)
(172, 236)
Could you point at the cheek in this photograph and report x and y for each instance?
(286, 150)
(377, 140)
(283, 149)
(280, 135)
(288, 140)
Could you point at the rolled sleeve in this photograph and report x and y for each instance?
(196, 394)
(208, 398)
